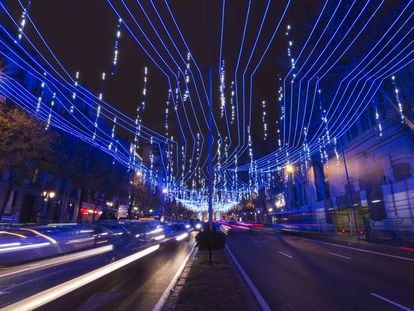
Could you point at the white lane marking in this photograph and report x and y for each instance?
(361, 250)
(256, 241)
(342, 256)
(391, 302)
(284, 254)
(55, 292)
(60, 260)
(259, 298)
(164, 296)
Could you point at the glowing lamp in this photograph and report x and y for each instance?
(290, 169)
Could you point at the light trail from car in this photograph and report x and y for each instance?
(57, 261)
(60, 290)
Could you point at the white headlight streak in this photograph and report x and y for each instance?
(55, 292)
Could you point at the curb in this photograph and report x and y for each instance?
(171, 294)
(253, 290)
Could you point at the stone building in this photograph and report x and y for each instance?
(379, 157)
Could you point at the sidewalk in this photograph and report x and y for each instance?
(347, 237)
(210, 287)
(350, 238)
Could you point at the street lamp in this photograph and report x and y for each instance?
(290, 169)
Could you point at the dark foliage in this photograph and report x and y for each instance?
(208, 240)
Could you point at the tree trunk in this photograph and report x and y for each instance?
(8, 205)
(78, 205)
(67, 189)
(10, 194)
(130, 205)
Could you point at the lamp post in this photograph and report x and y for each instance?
(290, 170)
(350, 192)
(210, 151)
(165, 193)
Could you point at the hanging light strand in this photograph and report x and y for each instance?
(325, 140)
(282, 112)
(167, 110)
(377, 118)
(98, 109)
(49, 118)
(336, 151)
(289, 48)
(187, 78)
(167, 149)
(151, 158)
(116, 46)
(140, 110)
(144, 91)
(398, 98)
(222, 89)
(233, 108)
(74, 94)
(251, 166)
(264, 117)
(42, 92)
(23, 20)
(111, 144)
(306, 150)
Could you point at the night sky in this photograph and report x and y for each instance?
(82, 35)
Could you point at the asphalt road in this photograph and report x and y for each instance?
(135, 286)
(298, 273)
